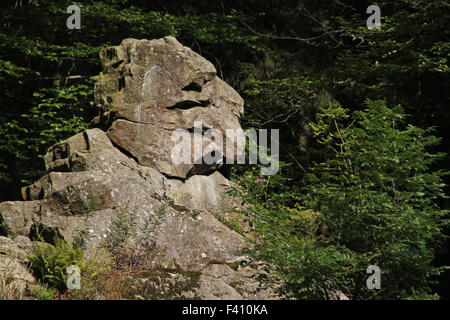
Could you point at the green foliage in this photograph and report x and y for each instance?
(9, 286)
(378, 198)
(49, 264)
(41, 292)
(122, 226)
(58, 114)
(126, 226)
(372, 203)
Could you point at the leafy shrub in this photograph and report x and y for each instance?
(49, 264)
(373, 202)
(41, 292)
(56, 114)
(122, 226)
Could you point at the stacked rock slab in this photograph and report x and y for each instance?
(147, 90)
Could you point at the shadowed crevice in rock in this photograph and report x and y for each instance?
(173, 177)
(124, 151)
(86, 140)
(192, 87)
(43, 233)
(204, 169)
(188, 104)
(3, 227)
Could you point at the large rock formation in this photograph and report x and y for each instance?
(147, 90)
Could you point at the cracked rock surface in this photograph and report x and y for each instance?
(149, 89)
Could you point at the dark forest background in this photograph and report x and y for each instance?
(296, 64)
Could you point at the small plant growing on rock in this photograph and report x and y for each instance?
(91, 204)
(9, 288)
(49, 264)
(41, 292)
(130, 252)
(121, 227)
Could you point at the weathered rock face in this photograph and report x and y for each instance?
(105, 180)
(148, 89)
(14, 276)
